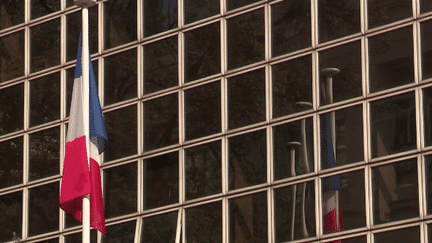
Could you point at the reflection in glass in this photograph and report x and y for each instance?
(291, 26)
(120, 22)
(428, 166)
(338, 19)
(77, 237)
(123, 233)
(11, 55)
(43, 214)
(203, 110)
(292, 83)
(120, 77)
(232, 4)
(348, 82)
(294, 212)
(160, 228)
(44, 153)
(391, 59)
(426, 49)
(160, 122)
(161, 180)
(11, 160)
(407, 235)
(360, 239)
(45, 99)
(246, 99)
(159, 16)
(11, 109)
(160, 65)
(203, 170)
(293, 140)
(40, 8)
(395, 191)
(247, 160)
(245, 39)
(11, 13)
(425, 6)
(204, 223)
(11, 215)
(202, 52)
(45, 45)
(385, 12)
(120, 190)
(195, 10)
(248, 218)
(427, 104)
(393, 125)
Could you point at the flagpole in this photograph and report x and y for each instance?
(292, 146)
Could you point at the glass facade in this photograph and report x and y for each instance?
(228, 120)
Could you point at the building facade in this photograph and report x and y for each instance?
(228, 120)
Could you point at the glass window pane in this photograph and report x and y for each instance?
(195, 10)
(246, 99)
(12, 13)
(77, 237)
(159, 16)
(347, 83)
(338, 19)
(427, 103)
(161, 65)
(385, 12)
(45, 99)
(123, 233)
(391, 59)
(161, 180)
(294, 212)
(11, 56)
(11, 213)
(408, 235)
(293, 141)
(11, 160)
(11, 109)
(426, 49)
(393, 125)
(55, 240)
(245, 39)
(202, 52)
(291, 26)
(40, 8)
(425, 6)
(292, 86)
(120, 190)
(247, 160)
(121, 128)
(45, 45)
(43, 215)
(44, 153)
(160, 228)
(395, 191)
(429, 228)
(120, 77)
(232, 4)
(204, 223)
(203, 170)
(248, 218)
(161, 122)
(428, 165)
(120, 22)
(361, 239)
(203, 111)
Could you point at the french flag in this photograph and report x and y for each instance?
(78, 179)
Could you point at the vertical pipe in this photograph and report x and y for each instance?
(292, 146)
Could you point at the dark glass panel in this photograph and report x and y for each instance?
(39, 8)
(395, 192)
(11, 13)
(69, 3)
(120, 22)
(245, 39)
(161, 180)
(160, 65)
(45, 99)
(43, 209)
(385, 12)
(11, 213)
(393, 125)
(248, 218)
(408, 235)
(391, 59)
(45, 45)
(121, 128)
(204, 223)
(160, 228)
(120, 187)
(426, 49)
(246, 99)
(120, 77)
(425, 6)
(195, 10)
(293, 140)
(232, 4)
(202, 52)
(11, 55)
(55, 240)
(427, 105)
(291, 26)
(292, 83)
(294, 212)
(160, 122)
(247, 160)
(203, 111)
(159, 16)
(77, 237)
(120, 233)
(428, 167)
(11, 161)
(44, 153)
(203, 170)
(11, 109)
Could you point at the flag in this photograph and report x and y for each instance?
(78, 179)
